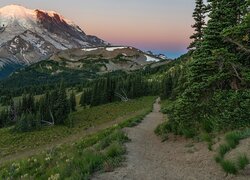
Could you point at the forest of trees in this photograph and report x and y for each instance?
(120, 88)
(29, 114)
(211, 90)
(54, 107)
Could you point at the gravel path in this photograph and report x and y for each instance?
(176, 159)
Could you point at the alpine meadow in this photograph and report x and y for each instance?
(152, 101)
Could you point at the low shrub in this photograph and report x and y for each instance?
(114, 150)
(229, 167)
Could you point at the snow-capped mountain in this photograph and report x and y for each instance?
(28, 36)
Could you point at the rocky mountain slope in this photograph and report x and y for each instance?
(80, 64)
(105, 59)
(29, 36)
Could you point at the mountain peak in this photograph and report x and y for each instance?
(28, 36)
(14, 7)
(16, 11)
(11, 13)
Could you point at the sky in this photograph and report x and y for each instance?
(162, 26)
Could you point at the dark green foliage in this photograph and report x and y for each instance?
(86, 97)
(211, 90)
(229, 167)
(4, 118)
(124, 87)
(28, 114)
(243, 161)
(72, 101)
(28, 122)
(114, 150)
(13, 112)
(162, 130)
(199, 17)
(175, 79)
(27, 105)
(223, 149)
(45, 109)
(55, 106)
(38, 75)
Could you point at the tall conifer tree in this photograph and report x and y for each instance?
(214, 69)
(199, 17)
(72, 101)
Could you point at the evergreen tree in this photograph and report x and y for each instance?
(13, 112)
(45, 108)
(214, 68)
(28, 122)
(61, 108)
(72, 101)
(82, 99)
(199, 17)
(4, 118)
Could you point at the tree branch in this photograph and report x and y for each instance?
(236, 72)
(242, 47)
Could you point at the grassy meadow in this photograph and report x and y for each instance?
(101, 151)
(12, 142)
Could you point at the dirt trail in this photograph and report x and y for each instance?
(68, 140)
(176, 159)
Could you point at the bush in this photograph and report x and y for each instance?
(86, 163)
(116, 136)
(222, 111)
(28, 122)
(162, 129)
(188, 132)
(114, 150)
(208, 125)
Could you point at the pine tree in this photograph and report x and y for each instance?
(72, 101)
(82, 99)
(61, 108)
(199, 17)
(214, 68)
(45, 108)
(13, 112)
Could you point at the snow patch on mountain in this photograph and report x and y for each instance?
(151, 59)
(90, 49)
(18, 15)
(115, 48)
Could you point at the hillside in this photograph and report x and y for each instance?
(78, 65)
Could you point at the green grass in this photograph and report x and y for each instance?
(223, 149)
(102, 151)
(232, 139)
(11, 142)
(209, 138)
(162, 130)
(243, 161)
(229, 167)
